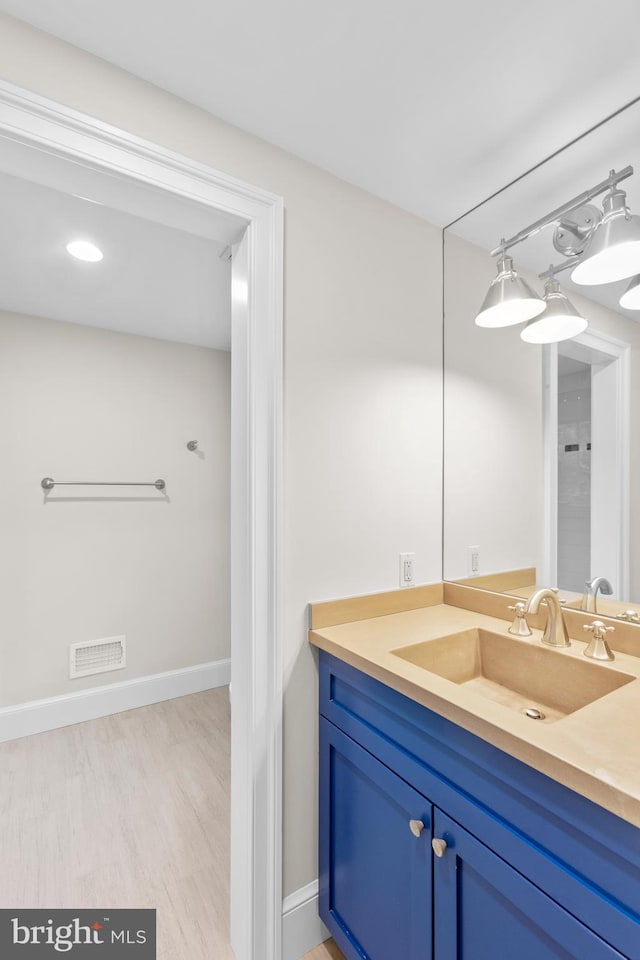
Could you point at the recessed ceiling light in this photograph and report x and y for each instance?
(83, 250)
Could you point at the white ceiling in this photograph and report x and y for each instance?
(160, 277)
(432, 106)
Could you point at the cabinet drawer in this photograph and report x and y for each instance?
(375, 873)
(582, 856)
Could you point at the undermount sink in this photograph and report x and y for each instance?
(522, 675)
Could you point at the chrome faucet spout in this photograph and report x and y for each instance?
(555, 632)
(590, 596)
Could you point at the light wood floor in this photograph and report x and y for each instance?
(326, 951)
(129, 810)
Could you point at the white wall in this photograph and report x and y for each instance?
(85, 563)
(363, 387)
(493, 427)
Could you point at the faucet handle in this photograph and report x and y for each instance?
(519, 627)
(598, 648)
(598, 628)
(630, 615)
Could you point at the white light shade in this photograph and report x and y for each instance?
(553, 329)
(560, 320)
(509, 300)
(613, 252)
(83, 250)
(630, 299)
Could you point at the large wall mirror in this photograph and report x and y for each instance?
(542, 439)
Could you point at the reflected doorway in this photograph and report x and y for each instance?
(574, 471)
(587, 462)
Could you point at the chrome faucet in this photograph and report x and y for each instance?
(555, 632)
(590, 596)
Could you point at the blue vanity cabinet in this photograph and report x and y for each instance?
(531, 870)
(376, 898)
(485, 910)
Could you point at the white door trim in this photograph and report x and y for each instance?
(620, 353)
(256, 892)
(549, 565)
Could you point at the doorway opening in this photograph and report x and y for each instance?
(78, 146)
(574, 472)
(586, 448)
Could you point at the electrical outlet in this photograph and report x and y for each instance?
(473, 561)
(406, 570)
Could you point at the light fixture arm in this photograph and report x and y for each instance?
(558, 215)
(555, 268)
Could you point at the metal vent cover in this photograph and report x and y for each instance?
(97, 656)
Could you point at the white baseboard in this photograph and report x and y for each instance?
(302, 928)
(37, 716)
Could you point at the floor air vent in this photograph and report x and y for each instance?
(97, 656)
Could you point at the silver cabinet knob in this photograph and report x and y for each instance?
(416, 827)
(439, 846)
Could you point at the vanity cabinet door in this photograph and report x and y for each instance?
(484, 909)
(375, 872)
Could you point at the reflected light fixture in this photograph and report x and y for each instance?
(509, 300)
(559, 321)
(613, 250)
(630, 299)
(84, 250)
(597, 247)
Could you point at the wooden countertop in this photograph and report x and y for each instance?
(594, 751)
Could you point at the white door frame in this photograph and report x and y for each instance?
(549, 561)
(256, 458)
(620, 353)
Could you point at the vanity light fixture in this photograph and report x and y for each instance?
(630, 299)
(559, 321)
(613, 249)
(599, 248)
(84, 250)
(509, 300)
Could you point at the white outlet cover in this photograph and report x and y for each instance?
(473, 561)
(406, 569)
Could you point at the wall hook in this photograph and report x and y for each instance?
(192, 445)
